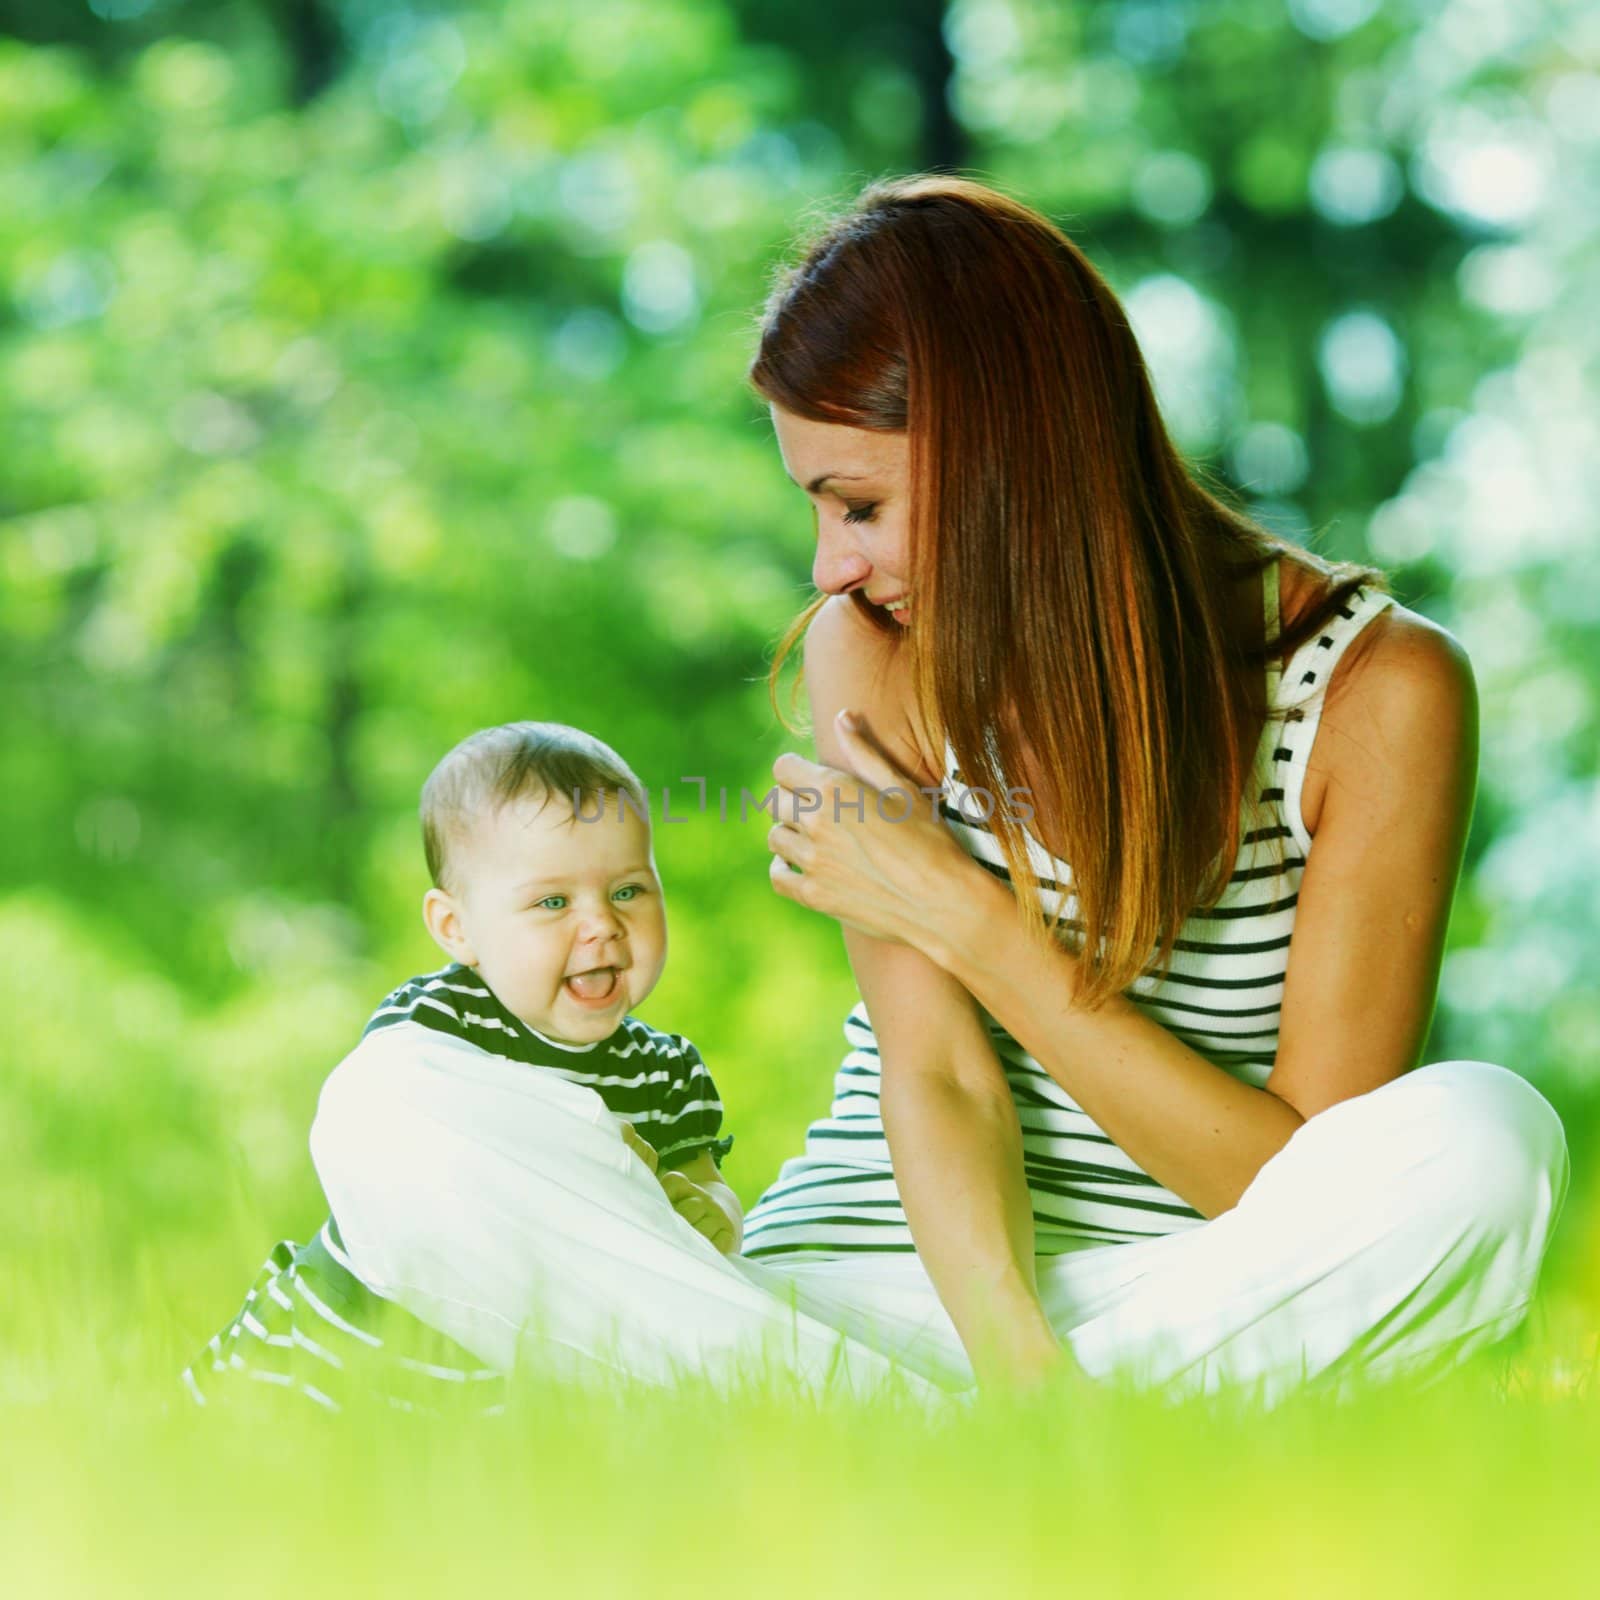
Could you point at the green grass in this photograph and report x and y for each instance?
(111, 1483)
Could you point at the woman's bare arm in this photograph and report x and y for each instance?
(948, 1116)
(956, 1146)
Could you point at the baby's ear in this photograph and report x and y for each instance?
(443, 922)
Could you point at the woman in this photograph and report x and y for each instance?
(1204, 1153)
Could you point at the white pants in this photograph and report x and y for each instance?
(1395, 1233)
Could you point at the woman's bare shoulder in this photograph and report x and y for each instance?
(1402, 699)
(850, 663)
(1402, 660)
(1398, 647)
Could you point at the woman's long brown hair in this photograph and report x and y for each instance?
(1069, 575)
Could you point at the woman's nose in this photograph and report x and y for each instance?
(838, 565)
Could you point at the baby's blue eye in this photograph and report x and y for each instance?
(631, 890)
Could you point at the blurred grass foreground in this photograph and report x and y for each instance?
(1472, 1488)
(371, 373)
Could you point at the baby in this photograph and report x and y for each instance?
(552, 914)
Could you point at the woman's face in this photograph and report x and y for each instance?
(857, 481)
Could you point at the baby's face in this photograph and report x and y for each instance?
(545, 898)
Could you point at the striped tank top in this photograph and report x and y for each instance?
(1221, 996)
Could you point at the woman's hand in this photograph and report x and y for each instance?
(868, 847)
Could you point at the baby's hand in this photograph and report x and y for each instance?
(697, 1208)
(640, 1147)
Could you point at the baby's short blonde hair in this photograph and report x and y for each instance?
(494, 766)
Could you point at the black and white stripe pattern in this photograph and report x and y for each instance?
(310, 1328)
(652, 1079)
(1221, 996)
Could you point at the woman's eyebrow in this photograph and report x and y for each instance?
(815, 486)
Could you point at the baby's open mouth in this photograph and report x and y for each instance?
(596, 984)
